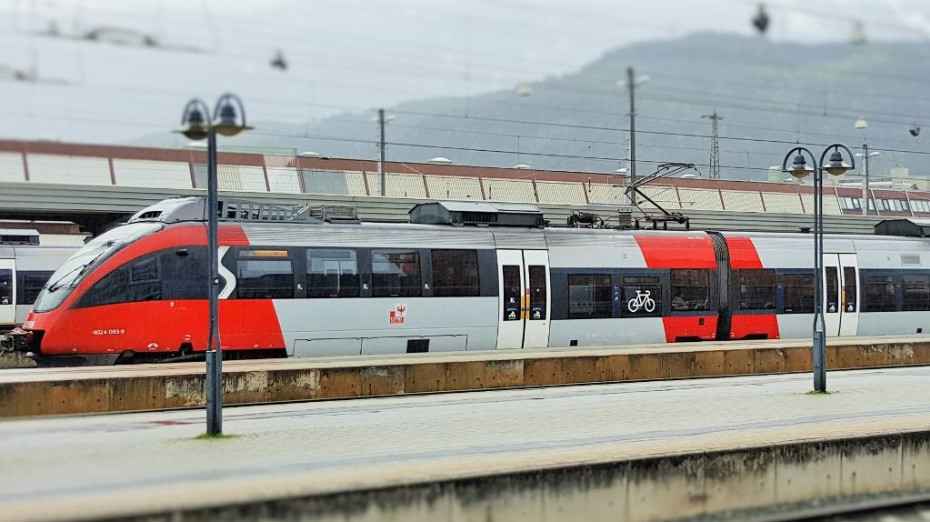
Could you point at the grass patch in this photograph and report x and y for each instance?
(815, 392)
(221, 436)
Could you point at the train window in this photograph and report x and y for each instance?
(6, 287)
(395, 274)
(642, 296)
(850, 295)
(455, 273)
(134, 282)
(798, 293)
(332, 273)
(112, 289)
(916, 292)
(187, 273)
(144, 283)
(513, 292)
(757, 289)
(538, 291)
(833, 289)
(264, 274)
(589, 296)
(29, 284)
(879, 294)
(690, 289)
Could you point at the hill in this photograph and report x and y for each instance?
(770, 96)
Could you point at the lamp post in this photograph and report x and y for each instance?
(800, 169)
(195, 126)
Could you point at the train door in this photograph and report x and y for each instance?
(841, 294)
(7, 292)
(524, 301)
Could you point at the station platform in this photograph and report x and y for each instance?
(624, 451)
(60, 391)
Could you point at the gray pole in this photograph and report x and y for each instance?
(381, 147)
(865, 187)
(819, 339)
(214, 384)
(632, 86)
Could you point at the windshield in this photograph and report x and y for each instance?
(77, 266)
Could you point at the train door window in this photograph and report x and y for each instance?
(455, 273)
(757, 289)
(879, 294)
(833, 289)
(264, 274)
(642, 296)
(589, 296)
(915, 292)
(332, 273)
(849, 280)
(6, 287)
(538, 292)
(690, 289)
(798, 293)
(395, 273)
(29, 284)
(513, 292)
(144, 283)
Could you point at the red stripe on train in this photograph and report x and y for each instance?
(743, 253)
(690, 328)
(754, 326)
(164, 326)
(677, 252)
(232, 236)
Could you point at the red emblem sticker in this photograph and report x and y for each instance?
(398, 314)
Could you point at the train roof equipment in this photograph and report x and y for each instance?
(193, 208)
(461, 213)
(664, 170)
(908, 227)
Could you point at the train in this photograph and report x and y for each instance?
(25, 266)
(460, 276)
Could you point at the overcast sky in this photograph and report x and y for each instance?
(346, 55)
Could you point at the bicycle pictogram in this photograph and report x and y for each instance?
(642, 300)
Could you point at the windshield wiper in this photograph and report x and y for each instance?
(55, 286)
(83, 268)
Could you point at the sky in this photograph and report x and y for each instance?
(345, 55)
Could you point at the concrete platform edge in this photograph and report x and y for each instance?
(173, 388)
(681, 486)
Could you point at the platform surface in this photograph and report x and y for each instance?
(120, 464)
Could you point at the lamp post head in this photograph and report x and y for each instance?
(799, 167)
(836, 166)
(226, 116)
(193, 122)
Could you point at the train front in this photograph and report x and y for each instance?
(47, 330)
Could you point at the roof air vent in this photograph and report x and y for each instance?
(460, 213)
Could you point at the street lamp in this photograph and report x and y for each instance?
(800, 170)
(866, 195)
(195, 126)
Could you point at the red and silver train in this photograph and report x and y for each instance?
(25, 267)
(306, 289)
